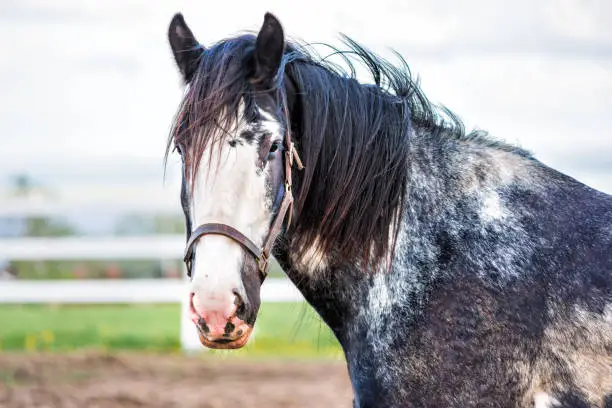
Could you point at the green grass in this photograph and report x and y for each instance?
(282, 329)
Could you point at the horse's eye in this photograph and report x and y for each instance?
(274, 147)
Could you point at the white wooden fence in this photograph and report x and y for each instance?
(156, 247)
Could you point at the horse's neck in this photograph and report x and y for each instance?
(452, 191)
(450, 180)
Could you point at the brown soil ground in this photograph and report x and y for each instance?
(96, 380)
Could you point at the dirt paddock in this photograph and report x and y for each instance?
(95, 380)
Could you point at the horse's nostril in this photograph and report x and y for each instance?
(203, 325)
(229, 328)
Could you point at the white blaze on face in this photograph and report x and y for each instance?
(228, 190)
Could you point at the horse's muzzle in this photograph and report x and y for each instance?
(223, 343)
(221, 328)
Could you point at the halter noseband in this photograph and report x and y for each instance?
(262, 255)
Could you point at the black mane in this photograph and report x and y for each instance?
(353, 138)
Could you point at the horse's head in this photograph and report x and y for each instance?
(232, 134)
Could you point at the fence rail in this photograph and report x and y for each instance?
(123, 291)
(93, 247)
(139, 202)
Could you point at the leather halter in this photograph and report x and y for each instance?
(262, 255)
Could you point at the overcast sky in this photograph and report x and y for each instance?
(83, 83)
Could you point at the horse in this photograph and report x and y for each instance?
(454, 269)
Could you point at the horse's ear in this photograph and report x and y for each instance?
(269, 50)
(186, 49)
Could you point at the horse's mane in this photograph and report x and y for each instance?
(353, 138)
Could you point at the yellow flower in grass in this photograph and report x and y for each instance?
(30, 342)
(47, 336)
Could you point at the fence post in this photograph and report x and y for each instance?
(190, 341)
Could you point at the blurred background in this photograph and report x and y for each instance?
(91, 232)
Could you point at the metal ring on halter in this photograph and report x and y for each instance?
(263, 267)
